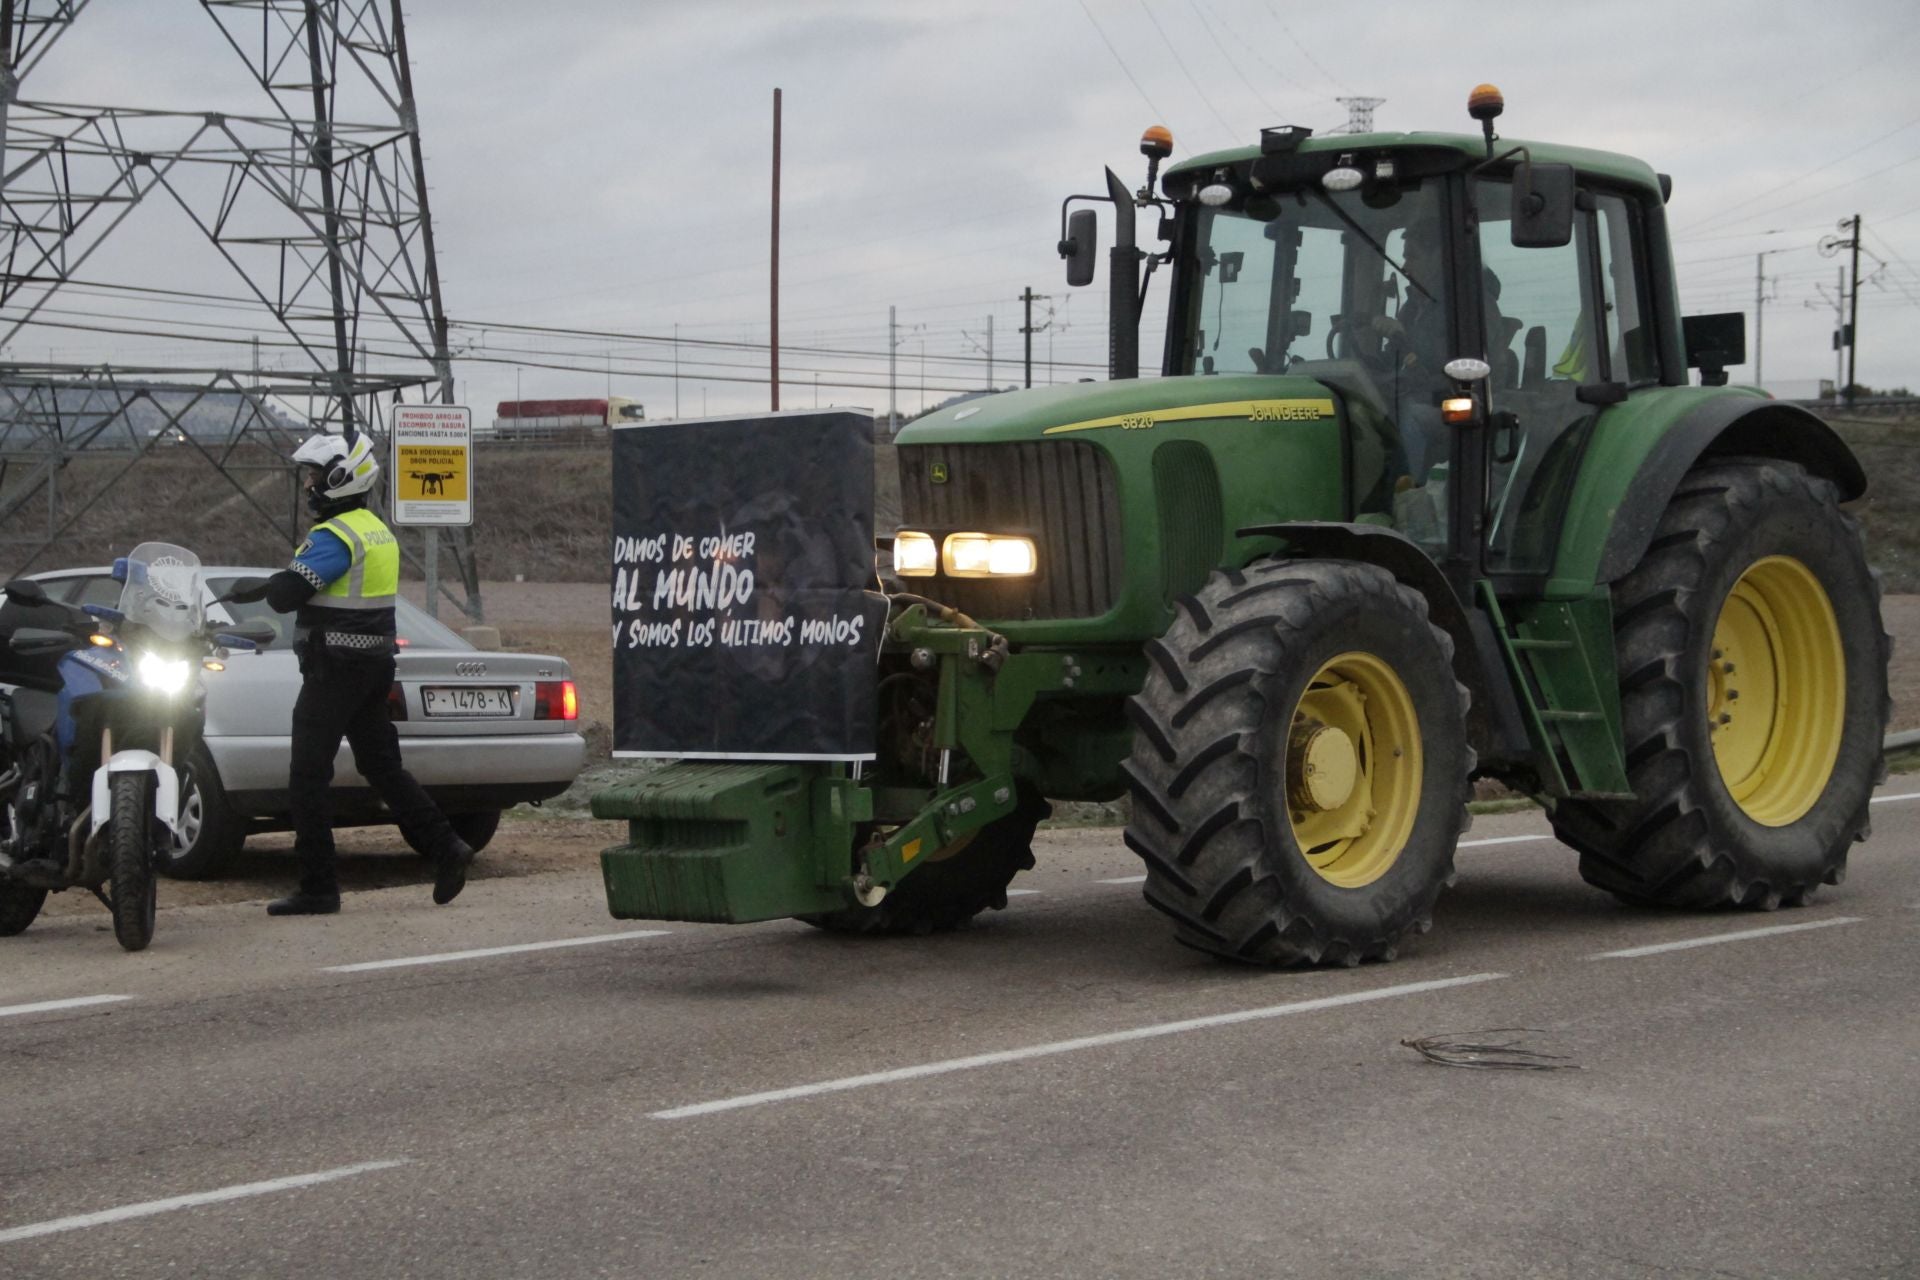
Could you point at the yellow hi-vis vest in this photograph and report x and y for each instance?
(373, 579)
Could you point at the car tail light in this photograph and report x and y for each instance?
(555, 700)
(396, 702)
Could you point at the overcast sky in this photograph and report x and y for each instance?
(605, 165)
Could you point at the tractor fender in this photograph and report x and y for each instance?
(1627, 496)
(1494, 723)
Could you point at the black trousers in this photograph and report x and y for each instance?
(348, 697)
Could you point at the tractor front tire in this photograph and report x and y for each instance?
(956, 885)
(1753, 687)
(1300, 764)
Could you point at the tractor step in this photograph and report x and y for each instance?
(1560, 655)
(728, 843)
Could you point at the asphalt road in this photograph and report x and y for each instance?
(1061, 1091)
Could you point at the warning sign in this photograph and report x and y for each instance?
(432, 464)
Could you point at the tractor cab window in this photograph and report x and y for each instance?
(1545, 319)
(1349, 288)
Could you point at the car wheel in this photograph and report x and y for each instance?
(209, 833)
(476, 829)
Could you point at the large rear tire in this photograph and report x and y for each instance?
(130, 858)
(956, 885)
(19, 905)
(1753, 685)
(1300, 764)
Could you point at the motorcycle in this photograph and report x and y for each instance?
(104, 702)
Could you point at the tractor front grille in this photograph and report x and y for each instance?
(1061, 493)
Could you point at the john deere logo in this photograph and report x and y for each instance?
(938, 472)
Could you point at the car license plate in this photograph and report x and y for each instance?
(466, 700)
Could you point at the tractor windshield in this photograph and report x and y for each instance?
(1350, 287)
(1313, 276)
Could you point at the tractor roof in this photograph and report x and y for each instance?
(1472, 149)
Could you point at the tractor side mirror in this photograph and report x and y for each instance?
(1542, 206)
(1714, 342)
(1083, 232)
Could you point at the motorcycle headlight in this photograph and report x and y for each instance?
(164, 675)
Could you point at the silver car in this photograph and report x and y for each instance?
(482, 731)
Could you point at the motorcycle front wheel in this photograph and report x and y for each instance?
(130, 859)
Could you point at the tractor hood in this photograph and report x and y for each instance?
(1130, 403)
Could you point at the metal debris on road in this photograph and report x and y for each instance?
(1455, 1049)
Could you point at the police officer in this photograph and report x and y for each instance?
(341, 588)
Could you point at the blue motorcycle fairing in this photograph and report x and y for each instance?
(85, 672)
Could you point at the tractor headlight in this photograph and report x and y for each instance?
(164, 675)
(914, 555)
(989, 555)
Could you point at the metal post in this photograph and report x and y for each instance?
(437, 318)
(8, 84)
(433, 570)
(676, 370)
(1028, 296)
(893, 343)
(1840, 345)
(322, 144)
(773, 342)
(1853, 314)
(1759, 318)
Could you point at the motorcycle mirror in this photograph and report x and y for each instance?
(36, 642)
(249, 635)
(25, 591)
(238, 585)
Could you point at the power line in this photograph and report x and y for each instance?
(1726, 210)
(1182, 64)
(1124, 70)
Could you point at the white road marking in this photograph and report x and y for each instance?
(48, 1006)
(448, 957)
(151, 1207)
(1021, 893)
(1068, 1046)
(1740, 936)
(1124, 880)
(1911, 795)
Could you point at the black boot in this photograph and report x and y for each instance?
(453, 872)
(304, 903)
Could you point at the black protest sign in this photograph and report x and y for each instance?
(743, 625)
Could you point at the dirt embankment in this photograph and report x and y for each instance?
(542, 514)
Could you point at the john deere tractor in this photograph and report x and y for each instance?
(1424, 492)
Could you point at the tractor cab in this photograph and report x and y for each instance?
(1429, 282)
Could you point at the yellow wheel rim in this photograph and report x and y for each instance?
(1776, 691)
(1353, 770)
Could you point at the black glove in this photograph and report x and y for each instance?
(245, 595)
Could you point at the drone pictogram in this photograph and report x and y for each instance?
(432, 482)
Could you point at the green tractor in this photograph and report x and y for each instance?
(1423, 494)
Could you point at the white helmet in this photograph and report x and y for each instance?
(346, 463)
